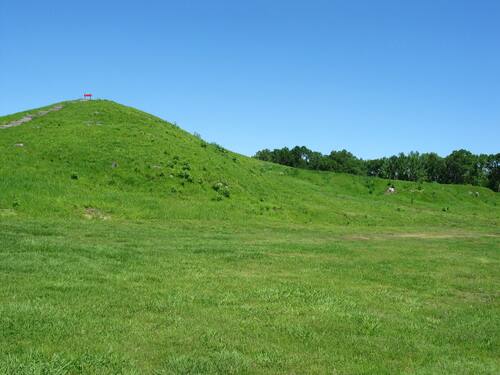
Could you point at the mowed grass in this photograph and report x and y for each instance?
(137, 298)
(134, 268)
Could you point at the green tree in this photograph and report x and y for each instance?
(493, 172)
(459, 167)
(344, 161)
(434, 167)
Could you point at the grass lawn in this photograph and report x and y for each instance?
(96, 297)
(119, 254)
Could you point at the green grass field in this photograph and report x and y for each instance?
(128, 246)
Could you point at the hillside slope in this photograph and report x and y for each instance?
(102, 159)
(129, 246)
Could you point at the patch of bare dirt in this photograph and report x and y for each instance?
(418, 235)
(92, 213)
(30, 117)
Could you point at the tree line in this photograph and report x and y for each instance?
(459, 167)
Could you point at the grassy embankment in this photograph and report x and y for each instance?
(130, 246)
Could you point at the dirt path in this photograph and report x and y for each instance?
(30, 117)
(429, 235)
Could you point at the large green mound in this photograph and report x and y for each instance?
(99, 159)
(128, 246)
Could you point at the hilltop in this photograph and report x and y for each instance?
(129, 246)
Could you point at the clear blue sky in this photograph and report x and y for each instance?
(374, 77)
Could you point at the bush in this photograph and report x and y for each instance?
(370, 185)
(16, 203)
(184, 174)
(222, 189)
(219, 148)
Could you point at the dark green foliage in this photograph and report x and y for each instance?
(492, 165)
(369, 183)
(460, 167)
(219, 148)
(185, 175)
(222, 189)
(344, 161)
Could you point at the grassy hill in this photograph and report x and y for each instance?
(131, 165)
(132, 246)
